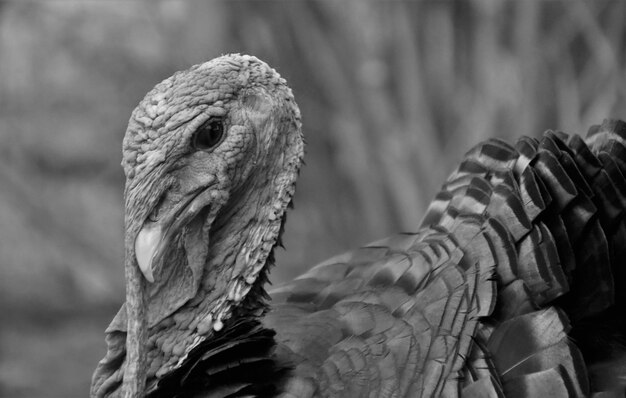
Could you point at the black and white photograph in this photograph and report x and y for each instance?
(298, 199)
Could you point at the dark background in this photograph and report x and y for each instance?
(392, 94)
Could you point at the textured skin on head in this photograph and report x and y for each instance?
(247, 182)
(154, 133)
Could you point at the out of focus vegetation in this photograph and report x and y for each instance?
(392, 93)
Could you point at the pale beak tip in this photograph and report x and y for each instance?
(147, 273)
(145, 247)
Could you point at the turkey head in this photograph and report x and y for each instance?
(211, 156)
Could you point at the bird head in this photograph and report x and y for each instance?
(211, 156)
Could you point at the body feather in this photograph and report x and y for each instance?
(502, 292)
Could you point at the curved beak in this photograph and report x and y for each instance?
(154, 238)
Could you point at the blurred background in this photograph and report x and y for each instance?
(392, 94)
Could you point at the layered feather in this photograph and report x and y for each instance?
(507, 290)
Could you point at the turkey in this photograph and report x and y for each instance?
(513, 286)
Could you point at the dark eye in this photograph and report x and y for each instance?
(209, 134)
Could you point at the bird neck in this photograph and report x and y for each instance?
(241, 244)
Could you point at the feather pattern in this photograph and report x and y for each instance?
(517, 253)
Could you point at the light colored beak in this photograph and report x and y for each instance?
(146, 246)
(154, 238)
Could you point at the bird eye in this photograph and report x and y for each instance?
(209, 134)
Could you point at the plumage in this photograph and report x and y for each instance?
(513, 285)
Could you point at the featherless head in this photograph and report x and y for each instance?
(197, 138)
(211, 156)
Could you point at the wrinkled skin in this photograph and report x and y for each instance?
(186, 206)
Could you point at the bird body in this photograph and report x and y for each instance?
(512, 285)
(521, 243)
